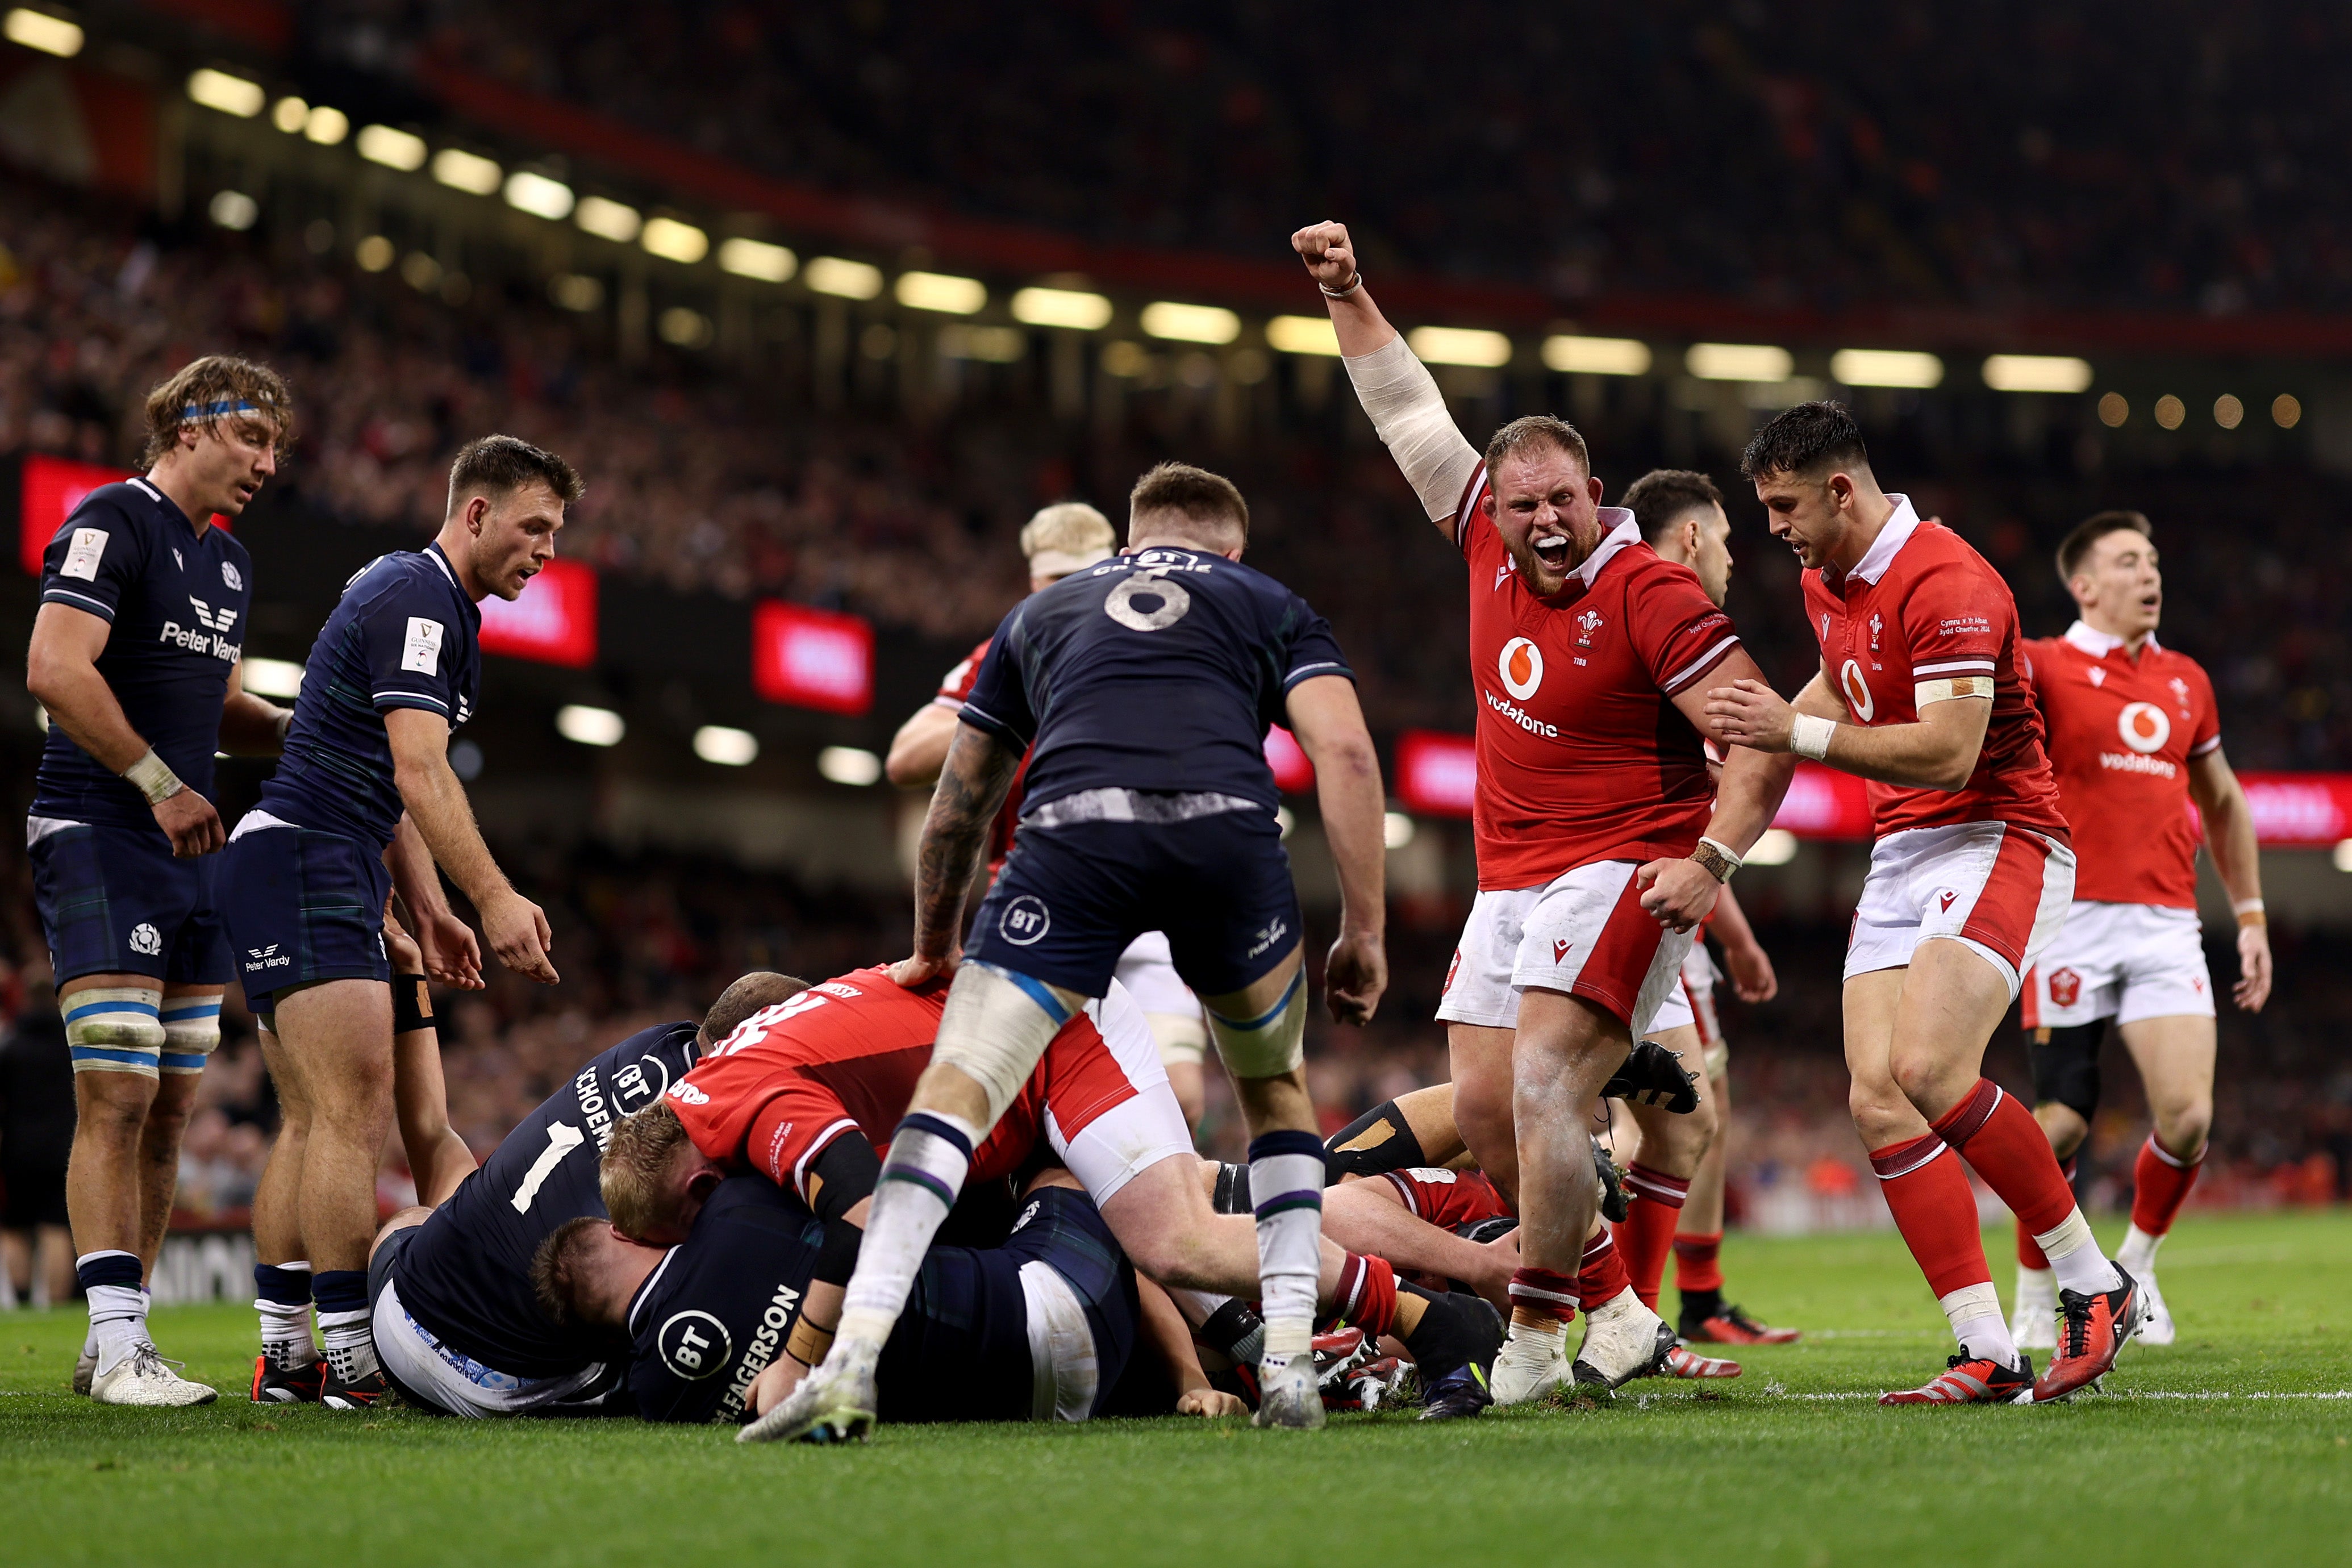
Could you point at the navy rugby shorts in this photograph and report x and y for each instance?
(1071, 897)
(302, 906)
(115, 900)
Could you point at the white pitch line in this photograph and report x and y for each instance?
(2125, 1393)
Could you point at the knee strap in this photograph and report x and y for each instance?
(2066, 1067)
(996, 1028)
(115, 1029)
(190, 1033)
(1270, 1045)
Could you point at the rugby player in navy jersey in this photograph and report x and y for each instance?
(456, 1326)
(135, 655)
(395, 671)
(1041, 1327)
(1141, 689)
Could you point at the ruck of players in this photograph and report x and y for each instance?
(960, 1181)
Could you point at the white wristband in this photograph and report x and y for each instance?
(1810, 736)
(2247, 906)
(151, 777)
(1330, 293)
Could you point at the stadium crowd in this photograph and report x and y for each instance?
(733, 482)
(2173, 157)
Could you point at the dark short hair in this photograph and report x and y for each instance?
(761, 988)
(1537, 430)
(205, 391)
(498, 466)
(555, 1268)
(2076, 546)
(1194, 494)
(1661, 497)
(1801, 442)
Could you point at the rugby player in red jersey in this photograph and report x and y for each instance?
(1066, 537)
(1922, 692)
(1594, 809)
(2135, 740)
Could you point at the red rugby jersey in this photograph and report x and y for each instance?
(951, 694)
(1448, 1199)
(1583, 756)
(1921, 612)
(843, 1057)
(2122, 732)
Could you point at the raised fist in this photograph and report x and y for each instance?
(1328, 253)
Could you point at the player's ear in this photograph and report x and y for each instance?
(1592, 488)
(702, 1184)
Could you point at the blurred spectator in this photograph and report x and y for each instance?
(37, 1125)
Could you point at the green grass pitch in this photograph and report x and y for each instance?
(2233, 1446)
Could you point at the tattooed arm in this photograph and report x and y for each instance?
(972, 785)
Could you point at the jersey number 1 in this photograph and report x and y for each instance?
(561, 1139)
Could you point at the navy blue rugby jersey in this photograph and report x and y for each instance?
(404, 636)
(1156, 671)
(718, 1310)
(175, 600)
(465, 1274)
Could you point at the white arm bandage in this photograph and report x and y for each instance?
(1397, 390)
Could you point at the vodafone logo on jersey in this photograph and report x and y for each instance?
(1521, 667)
(2144, 726)
(1857, 691)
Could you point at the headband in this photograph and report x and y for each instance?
(196, 411)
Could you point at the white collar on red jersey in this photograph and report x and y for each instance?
(1622, 530)
(2096, 643)
(1892, 538)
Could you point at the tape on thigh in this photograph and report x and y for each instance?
(191, 1031)
(1271, 1044)
(115, 1029)
(996, 1028)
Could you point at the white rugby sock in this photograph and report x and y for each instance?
(2074, 1256)
(2137, 1254)
(350, 1344)
(1974, 1312)
(929, 1155)
(117, 1321)
(1286, 1171)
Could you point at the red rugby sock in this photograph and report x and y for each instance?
(1648, 1232)
(1934, 1211)
(1999, 1137)
(2161, 1183)
(1602, 1275)
(1698, 1261)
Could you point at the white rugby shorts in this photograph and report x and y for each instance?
(1178, 1025)
(1584, 932)
(1999, 891)
(2125, 962)
(1698, 979)
(1139, 1129)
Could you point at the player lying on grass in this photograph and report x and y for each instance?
(457, 1324)
(807, 1092)
(1049, 1323)
(1408, 1152)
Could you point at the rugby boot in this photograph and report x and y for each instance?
(2091, 1332)
(1653, 1076)
(274, 1384)
(1615, 1204)
(369, 1391)
(2156, 1328)
(1624, 1339)
(1728, 1325)
(2033, 1324)
(1287, 1392)
(1530, 1364)
(85, 1369)
(144, 1377)
(834, 1404)
(1683, 1362)
(1457, 1396)
(1971, 1380)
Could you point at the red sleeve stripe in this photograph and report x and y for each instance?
(1469, 503)
(2212, 744)
(818, 1145)
(1700, 665)
(1954, 667)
